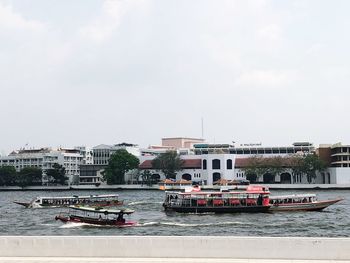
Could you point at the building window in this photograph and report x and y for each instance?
(216, 164)
(229, 164)
(204, 164)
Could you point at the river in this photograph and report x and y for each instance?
(332, 222)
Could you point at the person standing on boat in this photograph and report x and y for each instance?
(260, 199)
(120, 218)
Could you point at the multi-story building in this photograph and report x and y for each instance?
(103, 152)
(87, 154)
(44, 158)
(337, 158)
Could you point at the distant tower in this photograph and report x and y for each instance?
(202, 129)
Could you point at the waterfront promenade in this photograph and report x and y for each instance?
(172, 249)
(156, 187)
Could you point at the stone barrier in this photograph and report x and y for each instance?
(284, 248)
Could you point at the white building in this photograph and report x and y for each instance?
(45, 158)
(103, 152)
(205, 169)
(87, 154)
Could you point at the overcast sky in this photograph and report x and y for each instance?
(92, 72)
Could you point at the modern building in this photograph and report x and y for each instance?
(45, 158)
(87, 154)
(91, 174)
(337, 158)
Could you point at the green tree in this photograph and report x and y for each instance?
(7, 175)
(120, 163)
(307, 165)
(310, 165)
(169, 163)
(146, 177)
(257, 166)
(57, 174)
(29, 176)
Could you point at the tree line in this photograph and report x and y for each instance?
(169, 163)
(307, 165)
(122, 161)
(32, 176)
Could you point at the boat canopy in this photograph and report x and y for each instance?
(102, 210)
(77, 197)
(292, 196)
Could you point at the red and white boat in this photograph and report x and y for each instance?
(97, 216)
(299, 202)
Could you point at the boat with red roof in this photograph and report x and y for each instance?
(254, 199)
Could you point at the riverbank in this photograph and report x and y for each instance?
(156, 187)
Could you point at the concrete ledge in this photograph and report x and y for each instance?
(278, 248)
(155, 260)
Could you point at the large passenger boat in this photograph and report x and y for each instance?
(92, 200)
(96, 216)
(299, 202)
(252, 200)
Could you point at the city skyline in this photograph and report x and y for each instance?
(136, 71)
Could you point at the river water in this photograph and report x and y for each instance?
(332, 222)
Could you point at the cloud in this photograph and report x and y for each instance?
(270, 79)
(10, 20)
(104, 25)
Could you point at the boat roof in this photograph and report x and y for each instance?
(250, 189)
(77, 196)
(102, 210)
(292, 196)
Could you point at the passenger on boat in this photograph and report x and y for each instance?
(120, 218)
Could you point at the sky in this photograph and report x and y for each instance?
(92, 72)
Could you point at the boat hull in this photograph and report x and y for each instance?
(313, 206)
(219, 210)
(93, 221)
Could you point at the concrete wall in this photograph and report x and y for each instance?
(291, 248)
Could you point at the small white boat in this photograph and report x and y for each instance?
(299, 202)
(63, 201)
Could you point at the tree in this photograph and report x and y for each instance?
(146, 177)
(169, 163)
(258, 166)
(307, 165)
(57, 174)
(7, 175)
(29, 176)
(310, 165)
(120, 163)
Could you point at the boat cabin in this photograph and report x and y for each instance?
(252, 196)
(293, 199)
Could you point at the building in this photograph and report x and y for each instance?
(254, 149)
(181, 142)
(91, 174)
(182, 145)
(337, 157)
(103, 152)
(45, 158)
(87, 154)
(204, 169)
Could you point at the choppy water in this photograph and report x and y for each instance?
(332, 222)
